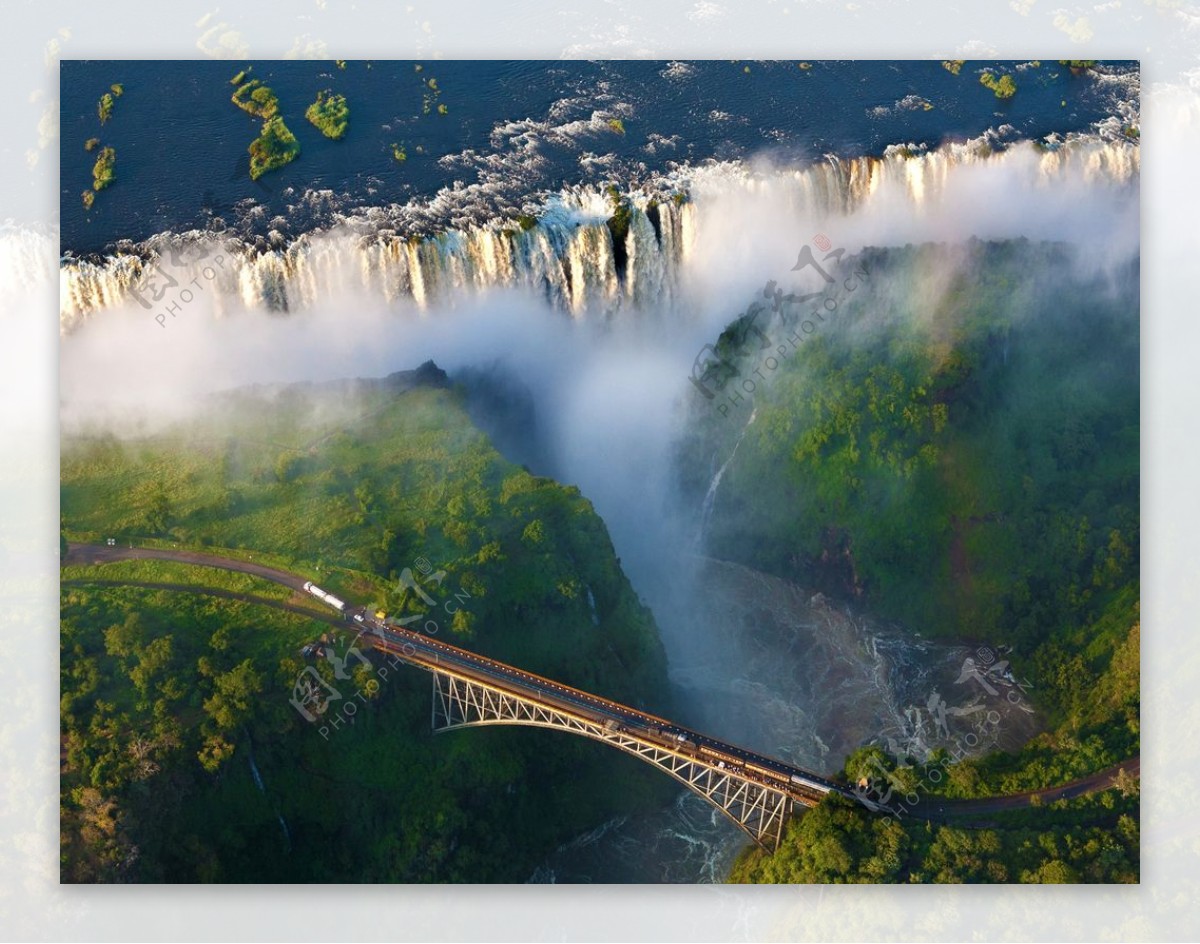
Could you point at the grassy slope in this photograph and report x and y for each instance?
(352, 487)
(958, 447)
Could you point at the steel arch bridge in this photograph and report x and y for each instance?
(756, 798)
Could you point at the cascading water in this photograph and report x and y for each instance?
(258, 782)
(753, 659)
(567, 256)
(710, 497)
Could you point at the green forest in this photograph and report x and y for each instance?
(1092, 839)
(955, 447)
(183, 757)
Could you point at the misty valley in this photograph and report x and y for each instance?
(824, 473)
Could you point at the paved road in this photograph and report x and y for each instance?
(212, 592)
(102, 554)
(428, 653)
(1093, 783)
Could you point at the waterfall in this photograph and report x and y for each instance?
(592, 607)
(258, 782)
(567, 255)
(710, 497)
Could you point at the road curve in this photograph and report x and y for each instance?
(1093, 783)
(433, 655)
(102, 554)
(933, 808)
(211, 592)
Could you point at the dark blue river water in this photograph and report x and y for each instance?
(511, 132)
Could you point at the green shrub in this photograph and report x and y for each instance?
(257, 99)
(273, 148)
(1003, 87)
(330, 114)
(102, 171)
(618, 223)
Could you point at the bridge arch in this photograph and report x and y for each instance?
(759, 810)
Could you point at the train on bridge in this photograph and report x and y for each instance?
(615, 717)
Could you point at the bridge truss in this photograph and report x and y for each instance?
(758, 809)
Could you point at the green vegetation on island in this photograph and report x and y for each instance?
(273, 148)
(117, 89)
(103, 173)
(275, 145)
(104, 107)
(88, 199)
(256, 99)
(329, 114)
(430, 94)
(953, 65)
(617, 125)
(184, 759)
(618, 227)
(1002, 87)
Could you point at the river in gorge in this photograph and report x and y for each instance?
(326, 276)
(765, 664)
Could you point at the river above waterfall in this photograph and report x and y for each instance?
(487, 139)
(582, 234)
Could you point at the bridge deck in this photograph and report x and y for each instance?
(436, 656)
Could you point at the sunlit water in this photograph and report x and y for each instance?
(325, 241)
